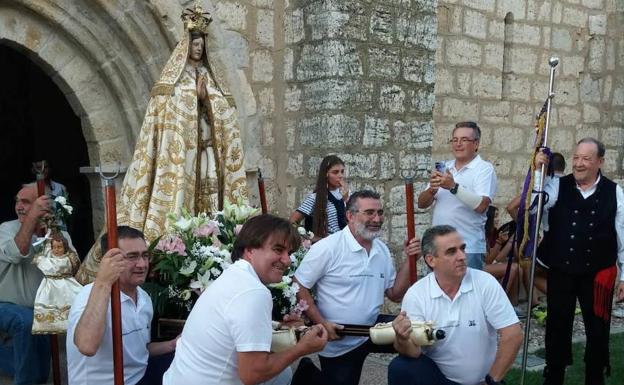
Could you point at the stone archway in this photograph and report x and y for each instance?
(104, 56)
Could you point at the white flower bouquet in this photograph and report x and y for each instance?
(191, 255)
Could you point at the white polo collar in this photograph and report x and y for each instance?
(436, 291)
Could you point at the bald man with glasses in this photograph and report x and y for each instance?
(351, 271)
(461, 189)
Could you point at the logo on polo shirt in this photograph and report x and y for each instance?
(381, 275)
(472, 323)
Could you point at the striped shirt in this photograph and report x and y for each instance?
(307, 206)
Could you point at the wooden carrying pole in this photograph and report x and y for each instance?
(111, 229)
(411, 228)
(54, 345)
(262, 193)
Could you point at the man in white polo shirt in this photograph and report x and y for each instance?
(227, 337)
(462, 190)
(483, 333)
(351, 270)
(89, 335)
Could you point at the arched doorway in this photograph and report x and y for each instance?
(37, 122)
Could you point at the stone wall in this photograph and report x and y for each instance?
(492, 67)
(359, 83)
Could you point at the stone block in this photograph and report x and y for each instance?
(539, 10)
(572, 65)
(606, 90)
(261, 66)
(590, 88)
(458, 109)
(517, 8)
(483, 5)
(417, 30)
(597, 24)
(392, 99)
(508, 139)
(522, 114)
(502, 163)
(330, 131)
(596, 55)
(338, 24)
(591, 114)
(486, 85)
(289, 64)
(561, 140)
(387, 166)
(557, 13)
(610, 55)
(546, 33)
(293, 26)
(523, 60)
(583, 131)
(493, 55)
(613, 136)
(496, 112)
(414, 66)
(475, 24)
(574, 16)
(596, 4)
(422, 101)
(263, 3)
(569, 116)
(266, 101)
(381, 27)
(385, 63)
(464, 81)
(463, 52)
(264, 28)
(337, 94)
(412, 134)
(568, 92)
(290, 134)
(618, 95)
(417, 165)
(329, 58)
(496, 30)
(376, 131)
(444, 82)
(610, 165)
(516, 87)
(295, 166)
(292, 99)
(267, 133)
(232, 14)
(526, 34)
(361, 165)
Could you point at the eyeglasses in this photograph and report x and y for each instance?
(371, 213)
(461, 140)
(134, 257)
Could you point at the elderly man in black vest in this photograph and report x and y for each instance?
(583, 240)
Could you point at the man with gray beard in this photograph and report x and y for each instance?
(350, 272)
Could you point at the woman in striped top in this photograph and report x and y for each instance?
(324, 209)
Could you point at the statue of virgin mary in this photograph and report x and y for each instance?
(189, 153)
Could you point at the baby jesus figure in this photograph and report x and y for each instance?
(58, 288)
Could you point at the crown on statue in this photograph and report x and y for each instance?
(196, 20)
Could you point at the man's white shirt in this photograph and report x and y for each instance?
(471, 320)
(348, 282)
(479, 177)
(232, 315)
(98, 369)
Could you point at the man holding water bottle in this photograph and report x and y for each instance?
(461, 189)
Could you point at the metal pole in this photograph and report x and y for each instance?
(540, 204)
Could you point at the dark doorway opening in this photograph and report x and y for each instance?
(37, 122)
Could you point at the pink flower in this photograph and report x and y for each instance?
(237, 229)
(207, 230)
(172, 244)
(300, 307)
(306, 244)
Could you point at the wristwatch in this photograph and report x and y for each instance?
(490, 381)
(453, 189)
